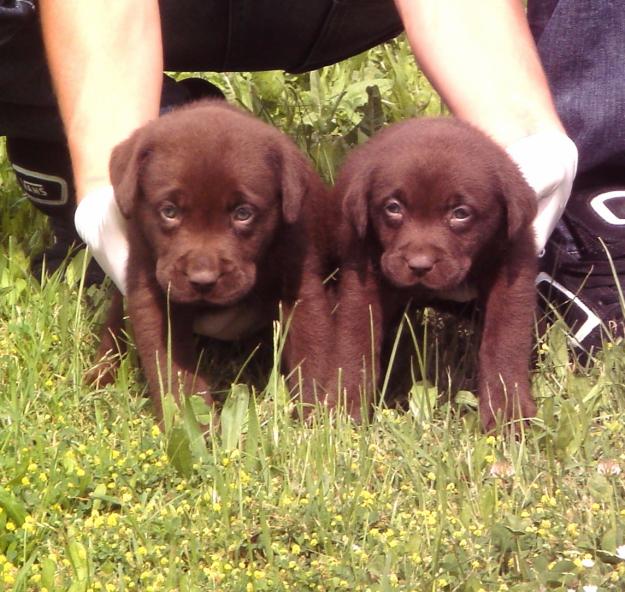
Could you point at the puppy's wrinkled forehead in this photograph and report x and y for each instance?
(220, 160)
(432, 177)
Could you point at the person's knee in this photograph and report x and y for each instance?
(44, 173)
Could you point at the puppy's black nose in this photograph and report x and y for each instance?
(421, 264)
(203, 280)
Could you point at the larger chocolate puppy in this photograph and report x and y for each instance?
(432, 209)
(225, 220)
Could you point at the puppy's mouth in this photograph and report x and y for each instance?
(207, 287)
(437, 274)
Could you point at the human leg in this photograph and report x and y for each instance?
(582, 47)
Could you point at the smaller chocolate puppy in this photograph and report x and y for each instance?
(432, 209)
(225, 220)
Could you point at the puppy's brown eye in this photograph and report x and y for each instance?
(393, 208)
(461, 213)
(243, 213)
(169, 211)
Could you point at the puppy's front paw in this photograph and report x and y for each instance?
(506, 407)
(194, 385)
(103, 373)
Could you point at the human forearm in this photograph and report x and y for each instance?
(481, 58)
(106, 62)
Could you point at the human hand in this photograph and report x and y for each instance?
(548, 161)
(101, 225)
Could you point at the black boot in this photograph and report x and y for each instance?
(576, 275)
(44, 173)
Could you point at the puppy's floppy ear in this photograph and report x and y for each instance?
(124, 167)
(295, 178)
(352, 190)
(519, 198)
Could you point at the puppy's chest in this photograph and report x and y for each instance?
(231, 323)
(463, 292)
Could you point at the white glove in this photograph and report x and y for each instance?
(103, 228)
(548, 161)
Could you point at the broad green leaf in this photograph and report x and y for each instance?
(609, 540)
(422, 401)
(601, 490)
(48, 570)
(80, 564)
(269, 84)
(191, 425)
(233, 416)
(466, 398)
(12, 506)
(571, 431)
(179, 451)
(503, 537)
(253, 437)
(488, 503)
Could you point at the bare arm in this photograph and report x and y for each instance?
(481, 58)
(105, 57)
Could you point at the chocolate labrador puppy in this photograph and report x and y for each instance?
(433, 210)
(225, 220)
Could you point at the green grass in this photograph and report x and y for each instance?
(94, 497)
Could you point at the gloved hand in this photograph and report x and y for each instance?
(101, 225)
(548, 161)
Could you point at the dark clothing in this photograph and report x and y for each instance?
(582, 47)
(250, 35)
(218, 36)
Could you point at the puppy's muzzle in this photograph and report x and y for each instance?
(421, 264)
(203, 280)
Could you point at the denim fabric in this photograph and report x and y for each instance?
(202, 35)
(582, 46)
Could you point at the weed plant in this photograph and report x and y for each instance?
(94, 497)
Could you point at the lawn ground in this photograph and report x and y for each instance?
(93, 496)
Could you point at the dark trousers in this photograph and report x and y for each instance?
(582, 46)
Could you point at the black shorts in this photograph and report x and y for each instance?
(201, 36)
